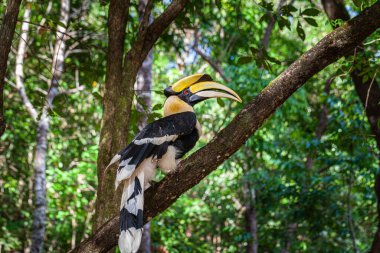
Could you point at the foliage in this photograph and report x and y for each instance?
(327, 202)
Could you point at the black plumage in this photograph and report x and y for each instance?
(150, 142)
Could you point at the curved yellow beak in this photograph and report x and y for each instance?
(201, 87)
(214, 90)
(189, 80)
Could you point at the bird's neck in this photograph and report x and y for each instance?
(175, 105)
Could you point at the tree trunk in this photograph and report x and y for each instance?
(6, 36)
(114, 130)
(369, 94)
(39, 215)
(201, 163)
(121, 75)
(250, 218)
(321, 126)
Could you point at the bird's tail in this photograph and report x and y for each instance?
(131, 214)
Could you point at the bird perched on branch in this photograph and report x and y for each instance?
(160, 144)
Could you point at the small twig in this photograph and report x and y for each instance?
(44, 92)
(369, 89)
(76, 77)
(368, 43)
(72, 91)
(11, 83)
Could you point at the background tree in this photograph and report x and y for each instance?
(368, 91)
(7, 30)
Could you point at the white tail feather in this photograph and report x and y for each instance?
(130, 236)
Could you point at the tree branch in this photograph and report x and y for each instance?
(6, 35)
(155, 30)
(272, 22)
(59, 52)
(19, 70)
(193, 169)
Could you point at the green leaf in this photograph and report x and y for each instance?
(61, 24)
(310, 12)
(287, 9)
(300, 31)
(273, 60)
(245, 59)
(264, 17)
(51, 24)
(220, 102)
(267, 6)
(284, 22)
(157, 107)
(311, 21)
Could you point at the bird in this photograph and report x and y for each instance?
(160, 144)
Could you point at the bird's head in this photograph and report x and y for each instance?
(187, 92)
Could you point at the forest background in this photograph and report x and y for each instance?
(83, 76)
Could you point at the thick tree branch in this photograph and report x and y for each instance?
(6, 35)
(192, 170)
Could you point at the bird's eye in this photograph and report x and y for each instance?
(186, 92)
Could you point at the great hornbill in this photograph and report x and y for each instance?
(160, 144)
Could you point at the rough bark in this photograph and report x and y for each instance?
(369, 94)
(193, 169)
(114, 129)
(6, 36)
(39, 215)
(117, 102)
